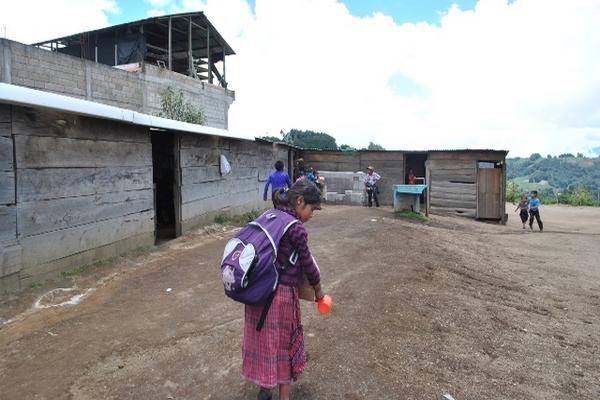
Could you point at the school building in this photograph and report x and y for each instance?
(89, 171)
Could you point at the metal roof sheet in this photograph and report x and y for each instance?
(19, 95)
(199, 14)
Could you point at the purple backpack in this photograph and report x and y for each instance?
(249, 268)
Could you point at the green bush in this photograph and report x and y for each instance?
(174, 106)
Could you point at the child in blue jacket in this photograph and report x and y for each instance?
(278, 179)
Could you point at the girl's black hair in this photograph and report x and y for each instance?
(279, 165)
(310, 192)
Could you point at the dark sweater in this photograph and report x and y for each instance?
(296, 238)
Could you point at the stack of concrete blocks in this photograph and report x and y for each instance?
(344, 187)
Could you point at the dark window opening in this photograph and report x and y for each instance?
(163, 162)
(416, 162)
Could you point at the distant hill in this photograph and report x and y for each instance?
(550, 175)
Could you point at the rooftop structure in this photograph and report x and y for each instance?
(185, 43)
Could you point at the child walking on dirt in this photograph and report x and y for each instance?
(274, 356)
(523, 206)
(534, 210)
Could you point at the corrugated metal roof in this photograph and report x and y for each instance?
(19, 95)
(199, 14)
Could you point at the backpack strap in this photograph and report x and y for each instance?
(266, 307)
(274, 223)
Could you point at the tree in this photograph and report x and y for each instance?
(310, 140)
(579, 155)
(347, 148)
(535, 156)
(375, 146)
(273, 139)
(174, 106)
(566, 155)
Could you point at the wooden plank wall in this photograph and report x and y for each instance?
(83, 184)
(10, 250)
(205, 193)
(453, 180)
(453, 186)
(388, 164)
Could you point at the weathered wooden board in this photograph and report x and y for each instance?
(451, 164)
(5, 128)
(52, 123)
(317, 156)
(231, 187)
(465, 212)
(7, 187)
(45, 216)
(5, 113)
(63, 243)
(333, 166)
(42, 184)
(54, 152)
(467, 155)
(471, 197)
(6, 153)
(448, 203)
(377, 156)
(381, 165)
(203, 141)
(489, 197)
(10, 259)
(194, 175)
(453, 186)
(8, 223)
(199, 157)
(220, 201)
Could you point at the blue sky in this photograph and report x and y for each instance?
(520, 75)
(400, 10)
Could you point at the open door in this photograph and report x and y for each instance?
(166, 187)
(489, 190)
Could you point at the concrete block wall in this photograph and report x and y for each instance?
(139, 91)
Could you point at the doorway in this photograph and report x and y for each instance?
(164, 172)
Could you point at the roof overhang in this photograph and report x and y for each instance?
(22, 96)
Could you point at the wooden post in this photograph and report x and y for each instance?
(190, 56)
(210, 76)
(224, 76)
(428, 190)
(169, 47)
(116, 36)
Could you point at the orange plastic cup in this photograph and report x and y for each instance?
(324, 305)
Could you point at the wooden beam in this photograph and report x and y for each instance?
(169, 46)
(210, 77)
(191, 71)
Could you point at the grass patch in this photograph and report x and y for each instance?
(411, 215)
(237, 220)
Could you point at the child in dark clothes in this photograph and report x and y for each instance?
(523, 206)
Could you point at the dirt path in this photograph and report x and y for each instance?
(480, 311)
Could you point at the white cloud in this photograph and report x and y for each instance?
(520, 76)
(38, 20)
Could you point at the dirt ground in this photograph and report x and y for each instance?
(472, 309)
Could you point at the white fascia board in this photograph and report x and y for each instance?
(23, 96)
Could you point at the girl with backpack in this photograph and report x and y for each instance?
(274, 355)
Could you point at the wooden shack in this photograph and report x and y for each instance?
(466, 182)
(82, 182)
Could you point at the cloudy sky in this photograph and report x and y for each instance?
(520, 75)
